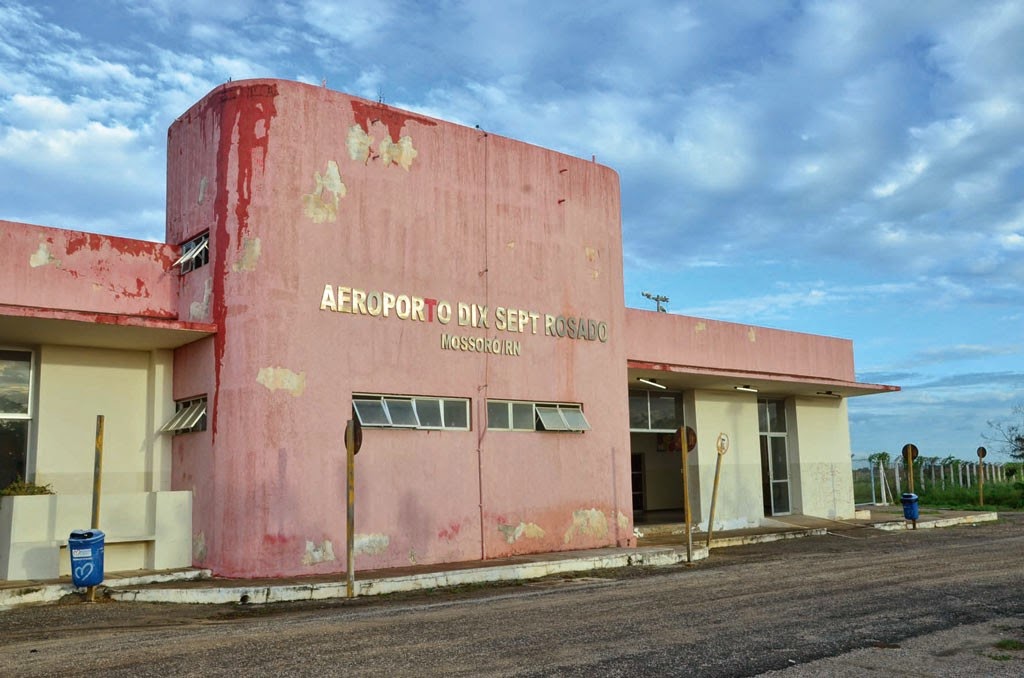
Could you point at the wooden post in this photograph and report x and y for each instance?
(981, 475)
(350, 525)
(687, 441)
(97, 484)
(722, 446)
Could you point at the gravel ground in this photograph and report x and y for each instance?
(944, 602)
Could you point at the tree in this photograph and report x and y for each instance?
(1009, 435)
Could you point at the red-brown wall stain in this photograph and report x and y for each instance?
(245, 108)
(366, 114)
(140, 291)
(125, 246)
(450, 532)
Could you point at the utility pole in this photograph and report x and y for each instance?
(658, 299)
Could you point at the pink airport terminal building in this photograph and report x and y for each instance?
(459, 293)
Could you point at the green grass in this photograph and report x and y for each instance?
(1009, 644)
(998, 496)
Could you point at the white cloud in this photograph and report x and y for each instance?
(357, 22)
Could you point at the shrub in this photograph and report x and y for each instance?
(23, 487)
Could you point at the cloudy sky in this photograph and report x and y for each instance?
(853, 169)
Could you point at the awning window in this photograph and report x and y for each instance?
(189, 417)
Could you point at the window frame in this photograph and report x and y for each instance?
(547, 417)
(510, 411)
(443, 404)
(29, 407)
(195, 253)
(677, 396)
(28, 417)
(190, 416)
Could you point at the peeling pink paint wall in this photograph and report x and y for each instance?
(303, 187)
(669, 339)
(56, 269)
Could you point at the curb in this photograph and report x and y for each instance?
(645, 557)
(50, 592)
(897, 525)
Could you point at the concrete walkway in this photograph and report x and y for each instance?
(659, 545)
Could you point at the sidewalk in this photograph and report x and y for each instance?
(659, 545)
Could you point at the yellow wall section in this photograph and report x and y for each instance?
(739, 491)
(132, 389)
(819, 457)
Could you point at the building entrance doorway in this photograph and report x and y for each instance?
(774, 457)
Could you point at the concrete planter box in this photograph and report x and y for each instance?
(144, 530)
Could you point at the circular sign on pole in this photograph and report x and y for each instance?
(722, 443)
(691, 439)
(982, 452)
(910, 451)
(354, 435)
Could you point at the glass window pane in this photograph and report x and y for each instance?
(780, 498)
(13, 450)
(522, 417)
(401, 412)
(15, 374)
(776, 416)
(780, 463)
(456, 414)
(428, 411)
(174, 423)
(639, 418)
(663, 412)
(574, 419)
(196, 411)
(370, 412)
(762, 416)
(497, 415)
(551, 419)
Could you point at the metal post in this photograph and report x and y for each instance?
(97, 483)
(686, 499)
(981, 483)
(722, 446)
(350, 523)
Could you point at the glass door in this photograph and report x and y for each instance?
(774, 457)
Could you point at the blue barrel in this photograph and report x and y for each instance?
(86, 549)
(910, 510)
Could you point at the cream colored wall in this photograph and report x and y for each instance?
(820, 468)
(739, 493)
(146, 525)
(132, 389)
(143, 530)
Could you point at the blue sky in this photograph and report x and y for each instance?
(853, 169)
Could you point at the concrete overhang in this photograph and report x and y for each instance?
(35, 326)
(688, 377)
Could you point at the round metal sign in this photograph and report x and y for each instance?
(354, 435)
(982, 452)
(722, 444)
(910, 451)
(691, 439)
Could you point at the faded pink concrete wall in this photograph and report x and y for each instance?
(50, 268)
(668, 339)
(428, 209)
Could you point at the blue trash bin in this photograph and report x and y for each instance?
(910, 510)
(86, 549)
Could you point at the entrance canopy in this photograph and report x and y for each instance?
(34, 326)
(684, 378)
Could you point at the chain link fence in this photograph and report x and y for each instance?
(882, 481)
